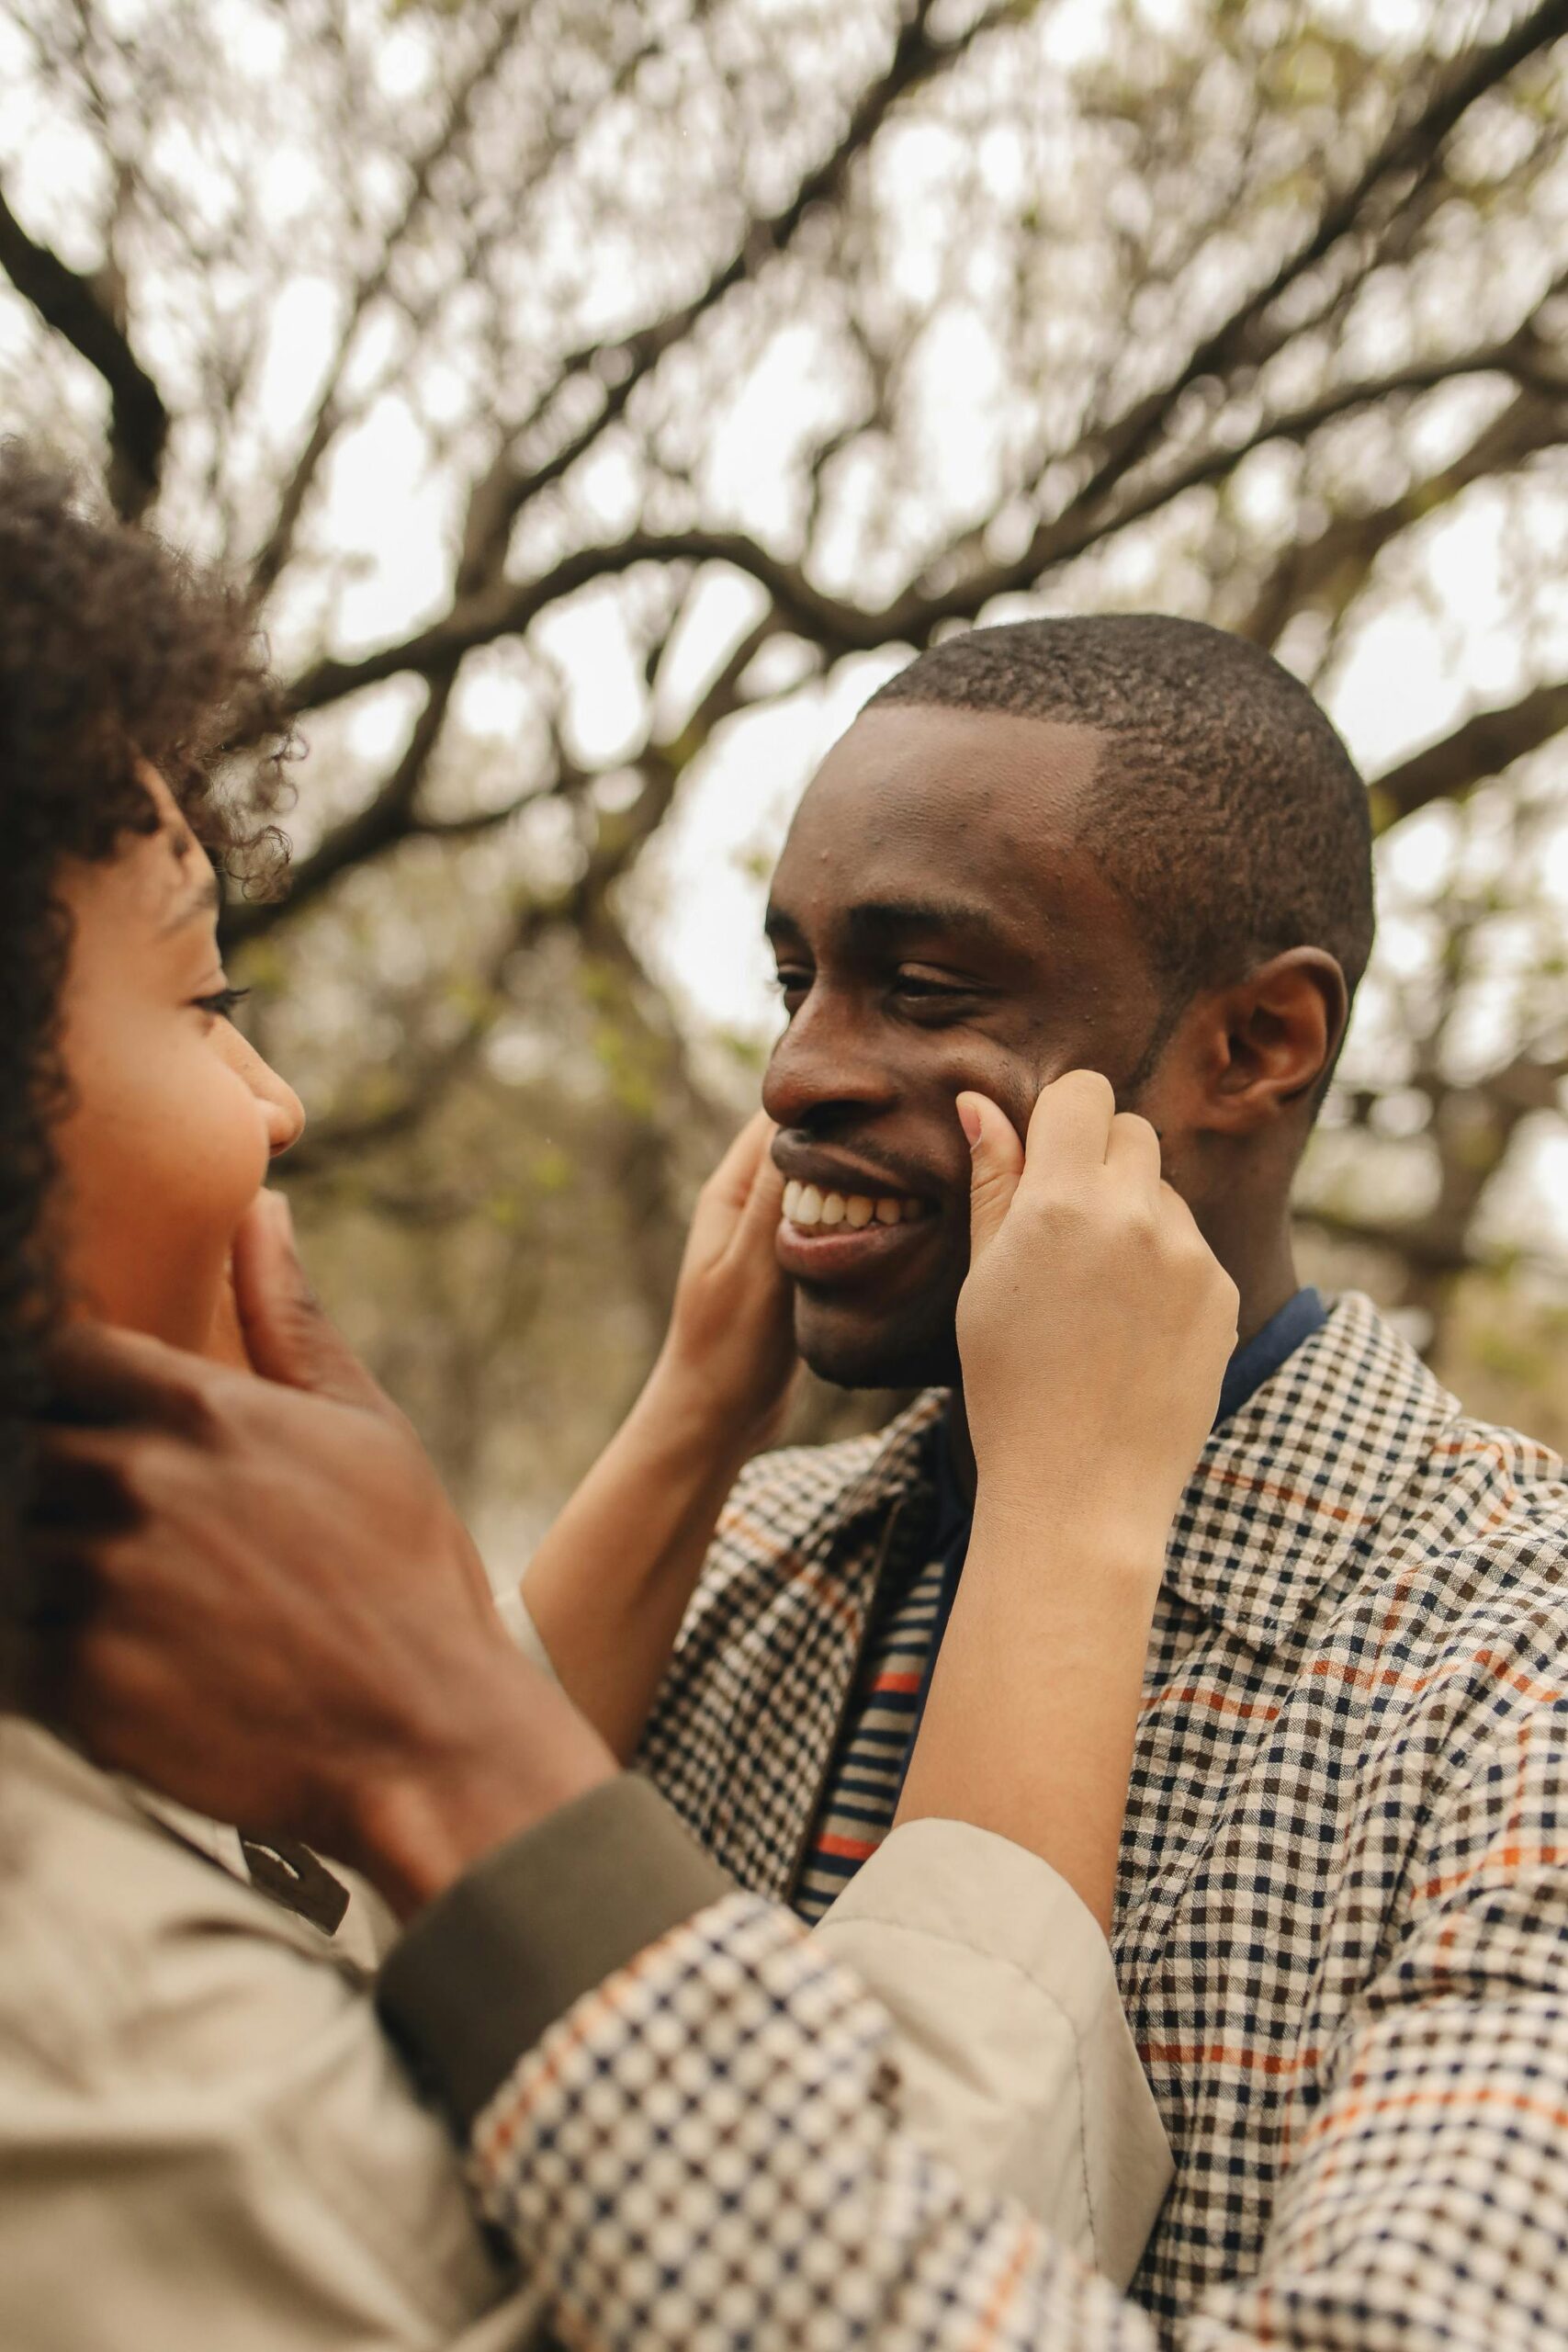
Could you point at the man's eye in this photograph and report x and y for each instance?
(926, 989)
(222, 1002)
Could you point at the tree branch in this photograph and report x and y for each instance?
(1128, 439)
(1408, 146)
(1333, 566)
(75, 306)
(506, 608)
(1481, 747)
(916, 58)
(276, 548)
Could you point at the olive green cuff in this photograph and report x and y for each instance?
(482, 1973)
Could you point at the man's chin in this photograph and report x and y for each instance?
(882, 1354)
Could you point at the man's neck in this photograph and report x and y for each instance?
(1266, 1280)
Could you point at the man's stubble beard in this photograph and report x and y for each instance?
(915, 1346)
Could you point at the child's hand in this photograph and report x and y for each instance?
(725, 1367)
(1095, 1324)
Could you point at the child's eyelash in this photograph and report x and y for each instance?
(223, 1001)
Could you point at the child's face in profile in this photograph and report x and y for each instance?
(172, 1117)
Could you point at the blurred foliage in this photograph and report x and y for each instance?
(602, 394)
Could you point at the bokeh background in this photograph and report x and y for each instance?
(603, 396)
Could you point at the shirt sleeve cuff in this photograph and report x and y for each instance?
(504, 1952)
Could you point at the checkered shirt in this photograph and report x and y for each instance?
(1342, 1930)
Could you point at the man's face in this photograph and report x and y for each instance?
(936, 928)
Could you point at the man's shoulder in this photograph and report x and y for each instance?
(1455, 1577)
(1482, 1534)
(803, 1493)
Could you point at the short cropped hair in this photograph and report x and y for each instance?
(1224, 809)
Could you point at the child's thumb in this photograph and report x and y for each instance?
(996, 1164)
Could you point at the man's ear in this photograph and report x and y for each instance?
(1268, 1039)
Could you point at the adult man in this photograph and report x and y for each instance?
(1136, 844)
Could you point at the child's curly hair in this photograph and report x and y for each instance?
(114, 652)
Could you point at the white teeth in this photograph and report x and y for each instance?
(808, 1205)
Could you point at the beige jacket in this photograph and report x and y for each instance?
(206, 2139)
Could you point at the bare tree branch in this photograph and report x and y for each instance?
(503, 608)
(76, 308)
(276, 548)
(507, 608)
(1486, 743)
(1326, 569)
(917, 58)
(1409, 146)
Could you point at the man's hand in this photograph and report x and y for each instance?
(1095, 1324)
(278, 1618)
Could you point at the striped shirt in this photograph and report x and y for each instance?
(862, 1796)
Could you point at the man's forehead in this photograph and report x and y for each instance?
(967, 817)
(930, 743)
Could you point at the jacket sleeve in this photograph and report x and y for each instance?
(705, 2149)
(1010, 2053)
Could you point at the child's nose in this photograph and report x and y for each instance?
(285, 1112)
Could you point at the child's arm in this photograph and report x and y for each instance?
(1094, 1330)
(608, 1587)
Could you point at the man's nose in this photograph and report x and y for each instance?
(827, 1059)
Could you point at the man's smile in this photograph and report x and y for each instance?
(839, 1251)
(843, 1219)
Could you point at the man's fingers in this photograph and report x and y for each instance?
(288, 1338)
(49, 1586)
(996, 1163)
(99, 1377)
(78, 1485)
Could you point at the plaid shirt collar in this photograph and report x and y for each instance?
(1272, 1519)
(1269, 1519)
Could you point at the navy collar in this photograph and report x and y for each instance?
(1247, 1370)
(1266, 1349)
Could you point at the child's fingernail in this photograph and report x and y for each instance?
(969, 1118)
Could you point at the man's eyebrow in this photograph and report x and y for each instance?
(891, 918)
(203, 899)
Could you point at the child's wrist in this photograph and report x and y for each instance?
(686, 1422)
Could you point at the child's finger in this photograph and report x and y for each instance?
(997, 1163)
